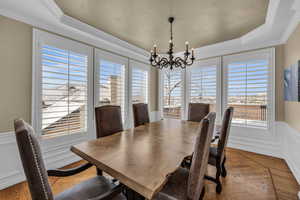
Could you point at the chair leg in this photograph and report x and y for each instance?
(218, 182)
(99, 172)
(224, 172)
(202, 193)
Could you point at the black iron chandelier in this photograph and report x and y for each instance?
(163, 62)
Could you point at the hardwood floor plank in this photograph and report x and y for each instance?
(250, 177)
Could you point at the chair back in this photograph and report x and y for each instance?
(197, 111)
(200, 157)
(140, 114)
(32, 161)
(224, 133)
(108, 120)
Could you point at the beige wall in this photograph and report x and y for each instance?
(15, 73)
(291, 56)
(16, 70)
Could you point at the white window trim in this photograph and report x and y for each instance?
(101, 54)
(264, 53)
(40, 37)
(138, 65)
(205, 63)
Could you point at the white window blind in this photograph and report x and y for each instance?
(203, 85)
(248, 91)
(111, 84)
(172, 99)
(64, 91)
(139, 85)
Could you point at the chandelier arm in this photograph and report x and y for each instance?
(163, 62)
(190, 63)
(179, 62)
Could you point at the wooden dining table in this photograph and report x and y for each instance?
(142, 158)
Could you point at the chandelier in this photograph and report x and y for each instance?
(164, 62)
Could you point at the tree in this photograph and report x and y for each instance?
(169, 86)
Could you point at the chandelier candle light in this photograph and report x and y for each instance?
(162, 62)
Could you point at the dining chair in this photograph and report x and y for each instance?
(108, 120)
(96, 188)
(186, 184)
(217, 155)
(140, 114)
(197, 111)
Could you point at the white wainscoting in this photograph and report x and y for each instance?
(282, 142)
(290, 141)
(55, 156)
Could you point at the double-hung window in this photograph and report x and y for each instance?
(248, 82)
(139, 82)
(204, 84)
(62, 86)
(111, 81)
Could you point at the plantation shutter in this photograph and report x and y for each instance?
(203, 85)
(139, 85)
(111, 84)
(64, 91)
(247, 91)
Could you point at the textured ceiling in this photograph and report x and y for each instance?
(144, 22)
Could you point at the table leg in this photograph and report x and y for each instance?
(132, 195)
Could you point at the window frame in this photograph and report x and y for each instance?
(206, 63)
(39, 39)
(139, 65)
(268, 54)
(142, 66)
(101, 54)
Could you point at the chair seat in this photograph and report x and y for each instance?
(88, 189)
(176, 187)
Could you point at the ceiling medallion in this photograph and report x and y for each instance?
(171, 62)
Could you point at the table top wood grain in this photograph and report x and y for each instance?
(143, 157)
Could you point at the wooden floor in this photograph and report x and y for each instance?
(250, 177)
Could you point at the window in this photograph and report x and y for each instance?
(111, 81)
(249, 89)
(62, 86)
(139, 82)
(172, 93)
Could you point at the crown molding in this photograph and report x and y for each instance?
(267, 35)
(54, 8)
(281, 20)
(293, 22)
(109, 39)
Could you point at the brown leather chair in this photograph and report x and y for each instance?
(197, 111)
(187, 184)
(217, 155)
(97, 188)
(140, 114)
(108, 120)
